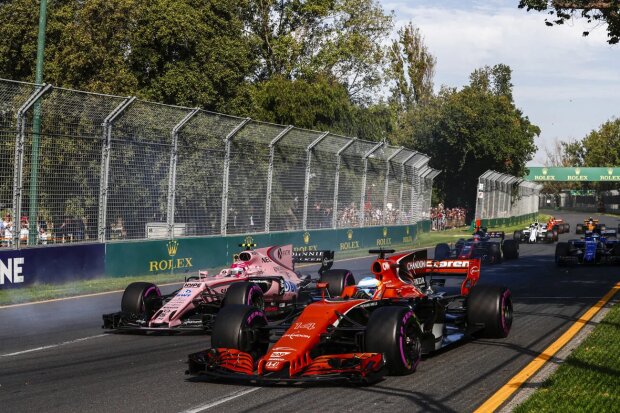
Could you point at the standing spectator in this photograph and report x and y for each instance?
(24, 232)
(7, 224)
(118, 229)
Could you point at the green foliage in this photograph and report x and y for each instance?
(602, 147)
(594, 11)
(341, 39)
(179, 52)
(469, 131)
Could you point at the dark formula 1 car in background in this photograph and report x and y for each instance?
(489, 247)
(264, 278)
(381, 325)
(594, 248)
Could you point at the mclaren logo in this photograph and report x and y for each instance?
(172, 246)
(448, 264)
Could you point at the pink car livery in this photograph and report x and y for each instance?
(264, 278)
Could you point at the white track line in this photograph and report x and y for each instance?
(64, 343)
(162, 285)
(222, 400)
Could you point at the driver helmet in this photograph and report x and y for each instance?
(238, 268)
(476, 237)
(368, 286)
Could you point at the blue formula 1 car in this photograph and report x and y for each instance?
(596, 247)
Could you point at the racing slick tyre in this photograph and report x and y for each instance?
(442, 252)
(511, 249)
(616, 250)
(490, 306)
(395, 332)
(518, 235)
(337, 280)
(244, 293)
(549, 237)
(562, 249)
(579, 229)
(238, 327)
(141, 298)
(495, 253)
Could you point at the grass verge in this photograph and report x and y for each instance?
(589, 379)
(42, 292)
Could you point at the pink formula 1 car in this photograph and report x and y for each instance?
(264, 278)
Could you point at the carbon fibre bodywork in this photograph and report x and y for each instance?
(329, 339)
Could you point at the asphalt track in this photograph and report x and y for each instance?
(54, 357)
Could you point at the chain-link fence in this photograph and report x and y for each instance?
(502, 196)
(78, 167)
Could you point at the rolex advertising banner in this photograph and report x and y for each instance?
(188, 255)
(576, 174)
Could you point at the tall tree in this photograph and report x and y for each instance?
(469, 131)
(412, 68)
(187, 52)
(598, 12)
(602, 147)
(339, 38)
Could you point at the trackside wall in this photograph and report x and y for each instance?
(187, 255)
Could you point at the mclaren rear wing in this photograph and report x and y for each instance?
(325, 257)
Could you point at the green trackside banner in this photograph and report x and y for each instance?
(574, 174)
(187, 255)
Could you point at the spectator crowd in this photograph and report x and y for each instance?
(445, 218)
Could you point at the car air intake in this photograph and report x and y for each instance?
(245, 256)
(376, 267)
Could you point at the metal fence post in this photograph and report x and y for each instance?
(228, 142)
(337, 181)
(105, 165)
(272, 153)
(402, 187)
(172, 175)
(364, 176)
(304, 220)
(387, 179)
(18, 167)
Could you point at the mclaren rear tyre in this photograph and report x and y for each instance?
(579, 229)
(141, 298)
(337, 281)
(511, 249)
(442, 251)
(239, 327)
(244, 293)
(395, 331)
(489, 308)
(562, 249)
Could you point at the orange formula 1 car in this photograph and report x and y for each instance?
(381, 325)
